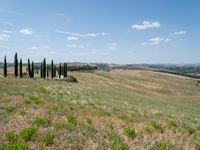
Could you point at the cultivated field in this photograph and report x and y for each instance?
(104, 110)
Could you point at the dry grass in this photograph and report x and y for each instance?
(83, 115)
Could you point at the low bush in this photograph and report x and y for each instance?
(47, 138)
(157, 126)
(11, 137)
(130, 133)
(28, 133)
(72, 120)
(162, 146)
(15, 146)
(116, 142)
(41, 122)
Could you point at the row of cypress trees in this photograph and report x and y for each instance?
(44, 69)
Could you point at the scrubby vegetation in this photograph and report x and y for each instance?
(104, 110)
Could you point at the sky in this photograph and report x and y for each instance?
(101, 31)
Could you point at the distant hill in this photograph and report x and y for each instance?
(191, 70)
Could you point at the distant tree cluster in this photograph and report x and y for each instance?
(46, 71)
(81, 68)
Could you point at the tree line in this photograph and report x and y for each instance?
(45, 70)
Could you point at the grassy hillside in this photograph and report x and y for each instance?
(104, 110)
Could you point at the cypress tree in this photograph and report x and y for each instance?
(16, 65)
(47, 71)
(59, 71)
(20, 68)
(5, 67)
(52, 71)
(32, 71)
(41, 70)
(44, 68)
(29, 68)
(65, 70)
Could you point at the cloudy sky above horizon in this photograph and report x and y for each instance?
(123, 31)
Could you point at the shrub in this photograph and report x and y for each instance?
(28, 133)
(161, 146)
(109, 125)
(89, 121)
(72, 120)
(71, 79)
(116, 142)
(126, 118)
(15, 146)
(129, 132)
(157, 126)
(11, 137)
(172, 123)
(41, 122)
(190, 129)
(47, 138)
(10, 109)
(197, 147)
(34, 99)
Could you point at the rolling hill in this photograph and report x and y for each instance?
(120, 109)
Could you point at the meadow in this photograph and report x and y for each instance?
(120, 109)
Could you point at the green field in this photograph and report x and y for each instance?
(104, 110)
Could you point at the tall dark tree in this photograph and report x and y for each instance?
(52, 71)
(65, 70)
(59, 71)
(47, 71)
(16, 65)
(41, 70)
(29, 68)
(44, 68)
(32, 70)
(20, 68)
(5, 67)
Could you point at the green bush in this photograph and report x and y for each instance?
(47, 138)
(34, 99)
(10, 108)
(28, 133)
(172, 123)
(41, 122)
(72, 120)
(109, 125)
(71, 79)
(89, 121)
(157, 126)
(161, 146)
(197, 147)
(15, 146)
(11, 137)
(190, 129)
(129, 132)
(116, 142)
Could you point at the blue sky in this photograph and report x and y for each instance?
(109, 31)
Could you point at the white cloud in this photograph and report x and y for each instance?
(72, 38)
(39, 47)
(4, 37)
(82, 35)
(75, 46)
(112, 46)
(146, 25)
(34, 48)
(156, 41)
(6, 31)
(179, 33)
(26, 31)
